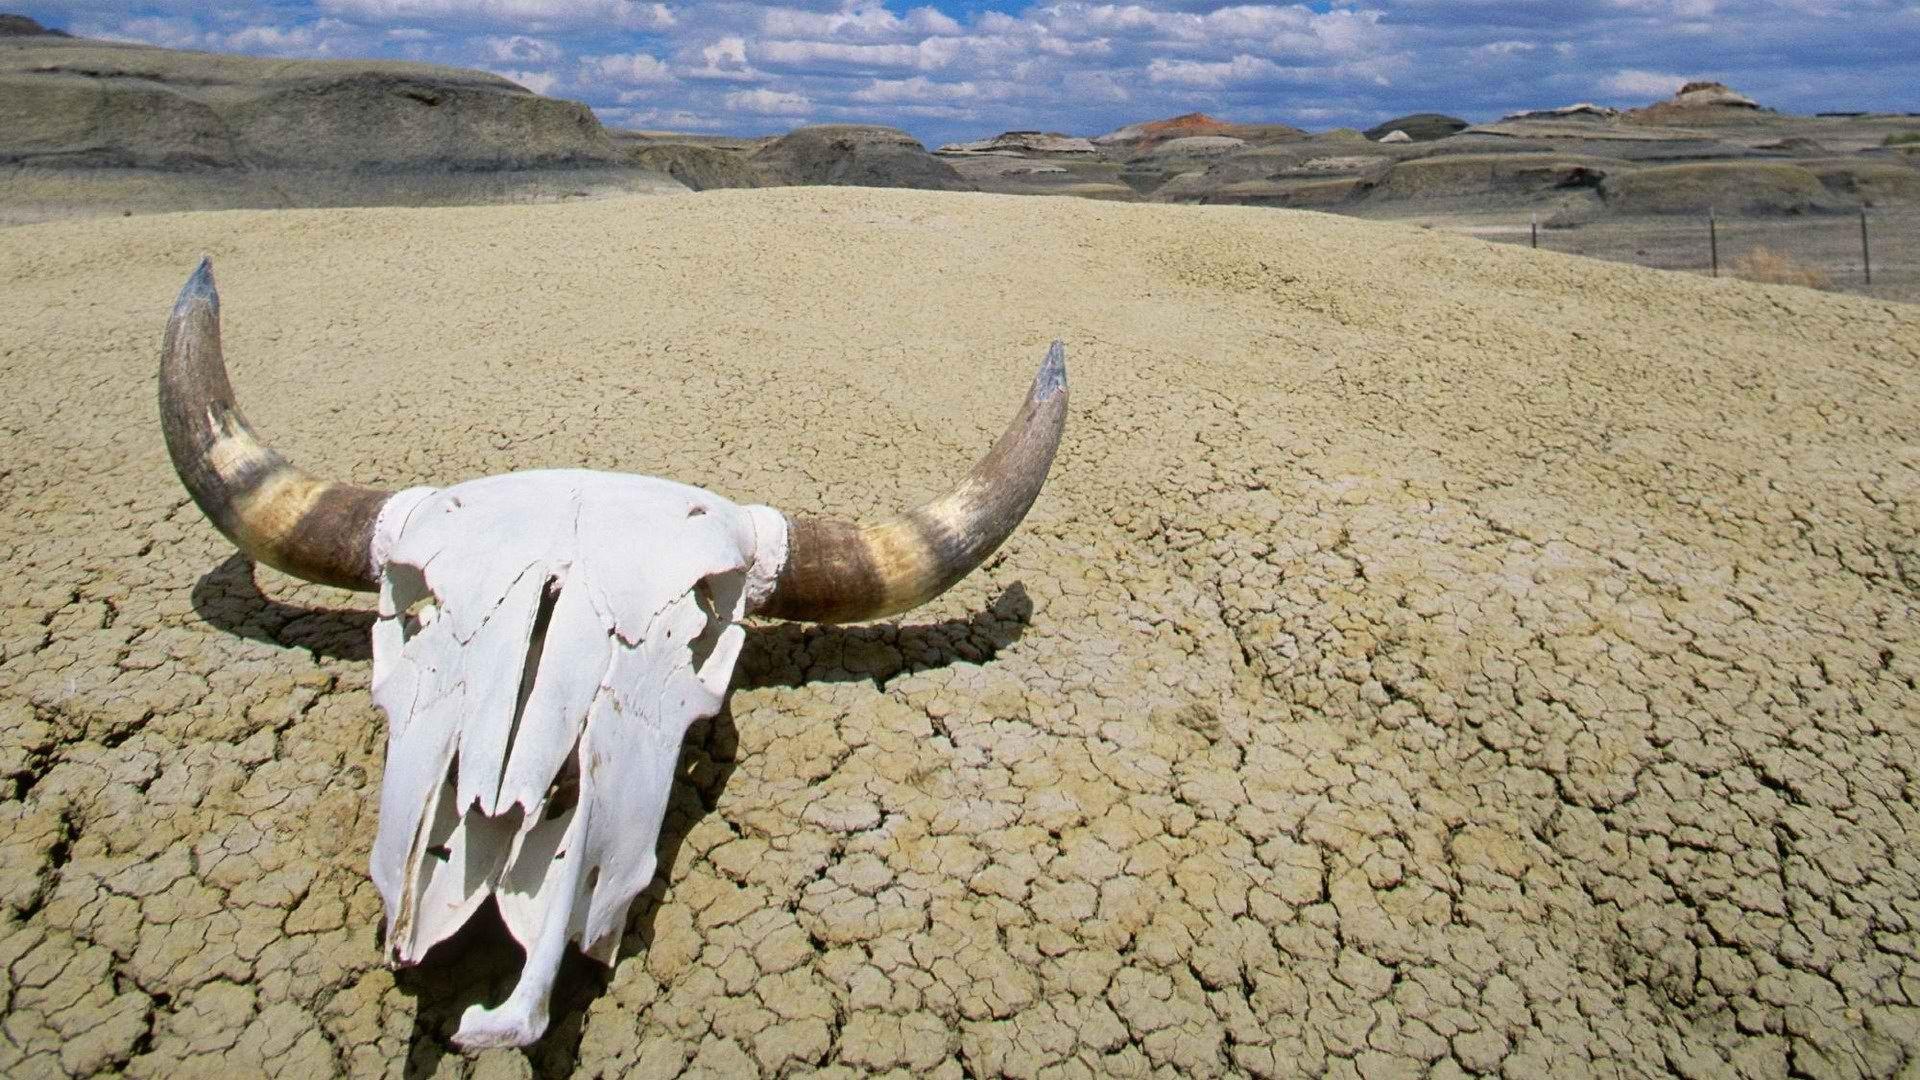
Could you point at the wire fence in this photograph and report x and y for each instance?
(1875, 252)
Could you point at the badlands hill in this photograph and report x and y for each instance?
(96, 126)
(1390, 681)
(69, 101)
(91, 127)
(21, 26)
(105, 127)
(1573, 164)
(859, 155)
(1148, 135)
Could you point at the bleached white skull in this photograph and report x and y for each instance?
(545, 639)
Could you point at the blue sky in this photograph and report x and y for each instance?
(958, 70)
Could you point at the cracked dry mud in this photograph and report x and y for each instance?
(1428, 658)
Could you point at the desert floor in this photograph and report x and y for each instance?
(1428, 656)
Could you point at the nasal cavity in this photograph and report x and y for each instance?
(529, 672)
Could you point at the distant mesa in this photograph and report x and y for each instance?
(1701, 103)
(1025, 142)
(858, 155)
(1579, 110)
(1153, 132)
(1419, 127)
(21, 26)
(1712, 93)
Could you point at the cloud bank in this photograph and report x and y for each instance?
(964, 70)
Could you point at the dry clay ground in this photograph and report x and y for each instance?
(1428, 657)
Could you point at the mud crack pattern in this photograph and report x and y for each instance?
(1428, 658)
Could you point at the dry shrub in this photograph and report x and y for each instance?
(1770, 267)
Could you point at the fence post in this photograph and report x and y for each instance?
(1713, 240)
(1533, 224)
(1866, 253)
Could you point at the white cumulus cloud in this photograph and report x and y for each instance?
(520, 48)
(1642, 84)
(922, 90)
(766, 102)
(1207, 73)
(626, 69)
(518, 14)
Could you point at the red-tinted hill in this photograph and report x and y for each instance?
(1153, 132)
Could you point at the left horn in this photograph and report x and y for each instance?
(311, 528)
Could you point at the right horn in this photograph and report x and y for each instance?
(838, 572)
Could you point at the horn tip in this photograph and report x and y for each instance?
(1052, 378)
(199, 289)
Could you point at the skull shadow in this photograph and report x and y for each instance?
(227, 597)
(479, 964)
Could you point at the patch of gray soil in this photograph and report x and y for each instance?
(856, 155)
(700, 166)
(1870, 183)
(1494, 176)
(1746, 187)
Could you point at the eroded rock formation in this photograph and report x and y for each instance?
(858, 155)
(76, 102)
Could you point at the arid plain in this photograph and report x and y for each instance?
(1427, 657)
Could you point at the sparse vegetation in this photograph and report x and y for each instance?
(1904, 138)
(1770, 267)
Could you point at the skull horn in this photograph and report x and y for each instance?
(311, 528)
(839, 572)
(835, 571)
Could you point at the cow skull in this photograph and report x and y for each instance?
(545, 638)
(544, 641)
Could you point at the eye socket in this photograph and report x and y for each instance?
(419, 615)
(415, 604)
(718, 597)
